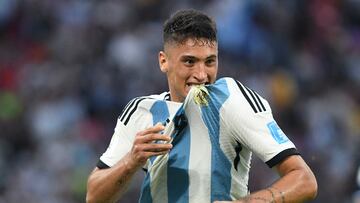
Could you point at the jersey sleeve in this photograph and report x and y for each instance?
(252, 124)
(119, 145)
(132, 120)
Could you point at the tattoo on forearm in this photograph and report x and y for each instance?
(272, 191)
(281, 194)
(272, 195)
(248, 199)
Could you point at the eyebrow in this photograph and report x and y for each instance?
(211, 56)
(196, 58)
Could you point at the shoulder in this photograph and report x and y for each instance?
(140, 106)
(242, 97)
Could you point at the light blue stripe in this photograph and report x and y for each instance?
(145, 196)
(178, 166)
(220, 165)
(160, 113)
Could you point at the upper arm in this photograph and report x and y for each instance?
(289, 164)
(297, 179)
(250, 119)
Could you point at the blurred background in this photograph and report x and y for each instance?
(67, 68)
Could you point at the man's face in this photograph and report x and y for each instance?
(190, 63)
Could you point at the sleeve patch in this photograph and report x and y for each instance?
(277, 133)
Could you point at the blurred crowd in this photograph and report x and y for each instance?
(67, 68)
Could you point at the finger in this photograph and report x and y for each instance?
(154, 129)
(150, 154)
(157, 147)
(153, 137)
(140, 148)
(141, 157)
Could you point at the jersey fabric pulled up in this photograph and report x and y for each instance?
(214, 133)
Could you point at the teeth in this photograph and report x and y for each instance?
(193, 84)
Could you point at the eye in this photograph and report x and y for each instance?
(189, 62)
(210, 62)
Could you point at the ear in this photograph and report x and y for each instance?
(163, 62)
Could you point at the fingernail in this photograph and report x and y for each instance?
(159, 123)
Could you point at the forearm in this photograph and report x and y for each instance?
(107, 185)
(301, 190)
(297, 185)
(303, 187)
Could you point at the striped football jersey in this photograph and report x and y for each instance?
(214, 133)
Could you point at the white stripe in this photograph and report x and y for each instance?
(200, 157)
(159, 185)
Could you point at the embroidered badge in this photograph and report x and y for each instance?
(201, 95)
(277, 133)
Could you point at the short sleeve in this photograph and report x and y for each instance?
(252, 124)
(120, 144)
(134, 118)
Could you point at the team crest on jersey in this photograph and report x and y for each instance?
(201, 95)
(277, 133)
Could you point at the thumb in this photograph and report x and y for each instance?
(159, 125)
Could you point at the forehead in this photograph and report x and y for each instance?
(194, 47)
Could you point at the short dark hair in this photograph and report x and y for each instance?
(189, 23)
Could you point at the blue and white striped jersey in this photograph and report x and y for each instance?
(213, 134)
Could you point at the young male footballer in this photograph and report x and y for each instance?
(195, 142)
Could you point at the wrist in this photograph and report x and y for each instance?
(130, 164)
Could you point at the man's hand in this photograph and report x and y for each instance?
(144, 145)
(107, 185)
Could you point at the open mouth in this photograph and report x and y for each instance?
(189, 85)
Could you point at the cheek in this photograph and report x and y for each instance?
(177, 76)
(182, 74)
(212, 74)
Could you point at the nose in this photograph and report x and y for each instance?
(200, 73)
